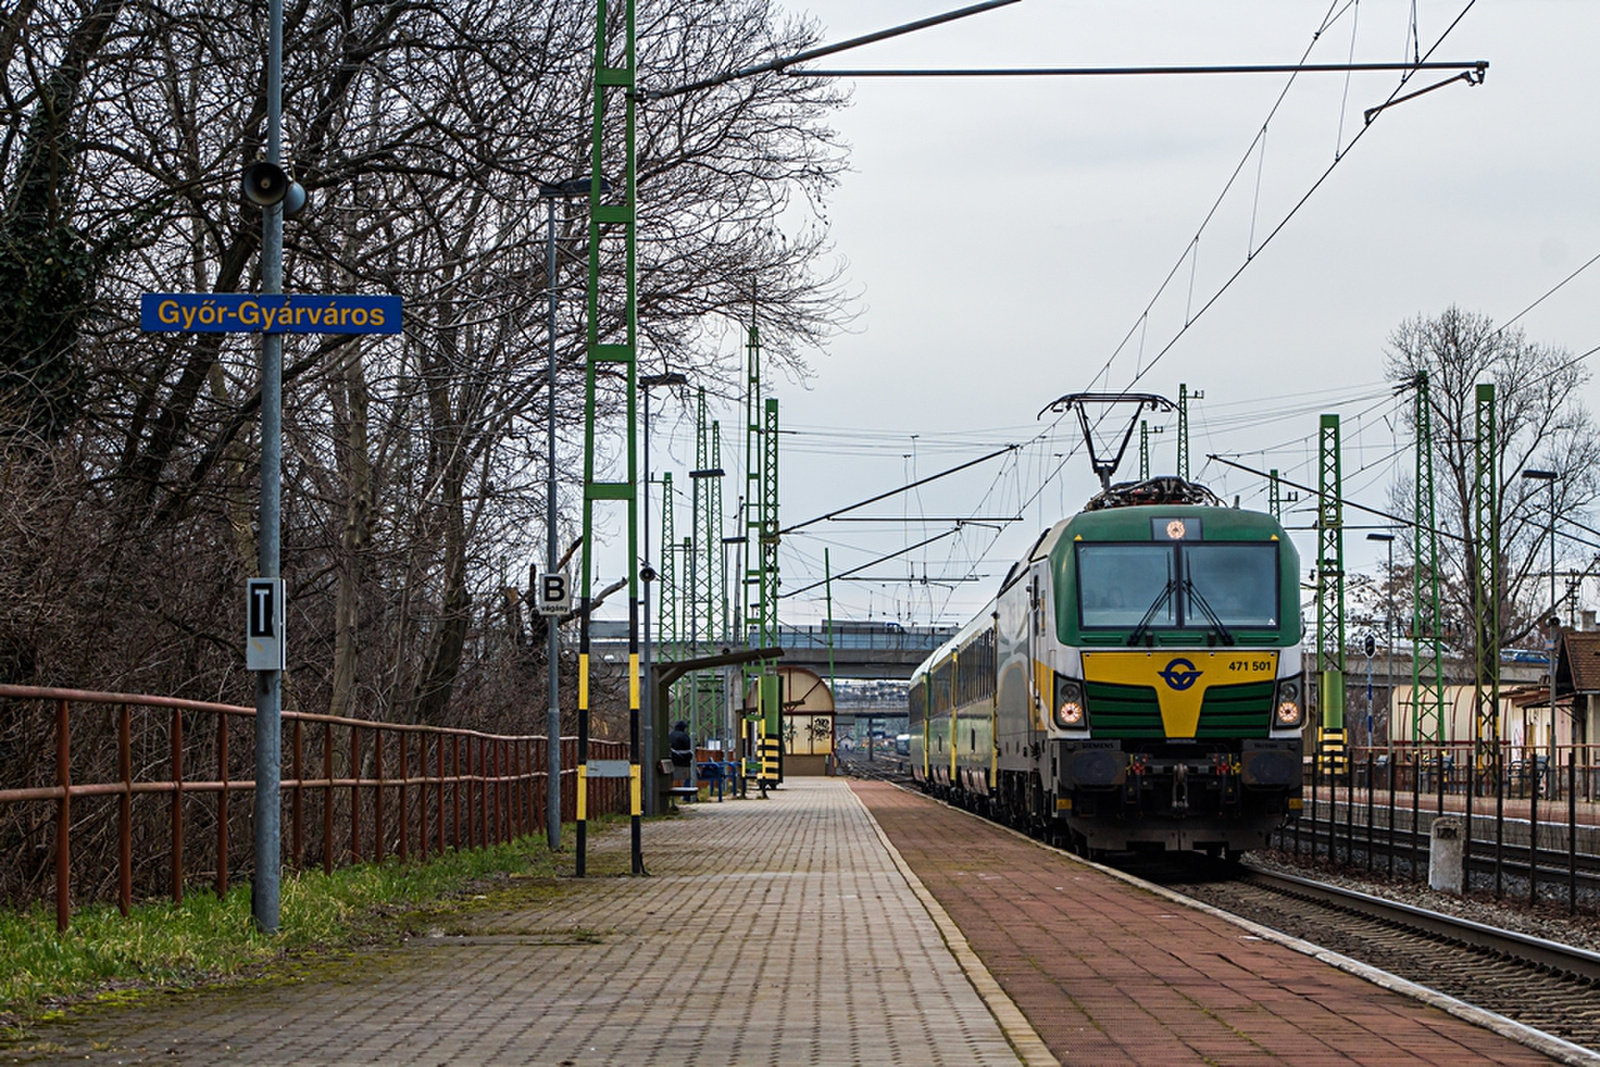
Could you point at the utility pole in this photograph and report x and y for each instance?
(1553, 621)
(669, 625)
(269, 683)
(1387, 539)
(750, 504)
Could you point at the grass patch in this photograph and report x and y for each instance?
(106, 957)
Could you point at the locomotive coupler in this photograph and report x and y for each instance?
(1180, 787)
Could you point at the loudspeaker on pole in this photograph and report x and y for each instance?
(266, 184)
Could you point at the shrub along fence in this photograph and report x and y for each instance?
(352, 790)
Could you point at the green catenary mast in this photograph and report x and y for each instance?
(716, 566)
(750, 525)
(667, 621)
(701, 607)
(772, 753)
(716, 552)
(1184, 396)
(613, 91)
(1427, 706)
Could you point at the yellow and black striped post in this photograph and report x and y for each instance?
(1331, 750)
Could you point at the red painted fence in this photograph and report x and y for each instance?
(375, 786)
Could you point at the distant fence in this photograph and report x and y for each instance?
(1531, 815)
(352, 790)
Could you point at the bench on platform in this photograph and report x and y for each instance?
(714, 775)
(669, 770)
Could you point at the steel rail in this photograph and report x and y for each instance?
(1569, 959)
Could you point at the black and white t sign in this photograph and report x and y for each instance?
(264, 610)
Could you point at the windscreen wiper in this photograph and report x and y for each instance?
(1218, 630)
(1142, 631)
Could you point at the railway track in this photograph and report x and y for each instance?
(1548, 987)
(881, 770)
(1561, 876)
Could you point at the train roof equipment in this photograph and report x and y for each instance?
(1166, 491)
(1106, 466)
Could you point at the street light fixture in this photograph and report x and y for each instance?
(570, 189)
(1529, 474)
(1387, 539)
(670, 379)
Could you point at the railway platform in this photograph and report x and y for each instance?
(835, 923)
(776, 931)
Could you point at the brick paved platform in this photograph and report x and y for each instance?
(772, 932)
(1108, 973)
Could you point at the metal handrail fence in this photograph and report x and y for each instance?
(450, 788)
(1537, 821)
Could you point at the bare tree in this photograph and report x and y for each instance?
(1540, 423)
(415, 465)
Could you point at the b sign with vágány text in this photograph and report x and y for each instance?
(262, 313)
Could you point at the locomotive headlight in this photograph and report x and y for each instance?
(1070, 711)
(1289, 709)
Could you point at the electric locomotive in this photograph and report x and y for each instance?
(1136, 683)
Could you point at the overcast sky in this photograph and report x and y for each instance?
(1005, 237)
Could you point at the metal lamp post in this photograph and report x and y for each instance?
(571, 189)
(1550, 477)
(647, 695)
(1388, 637)
(264, 897)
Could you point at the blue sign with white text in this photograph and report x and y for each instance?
(259, 313)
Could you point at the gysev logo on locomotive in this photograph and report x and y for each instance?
(1180, 682)
(1180, 674)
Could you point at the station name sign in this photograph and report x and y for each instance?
(260, 313)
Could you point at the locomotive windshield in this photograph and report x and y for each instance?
(1118, 584)
(1238, 581)
(1170, 586)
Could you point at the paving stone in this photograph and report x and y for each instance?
(1109, 973)
(775, 931)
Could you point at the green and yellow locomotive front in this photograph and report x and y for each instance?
(1169, 654)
